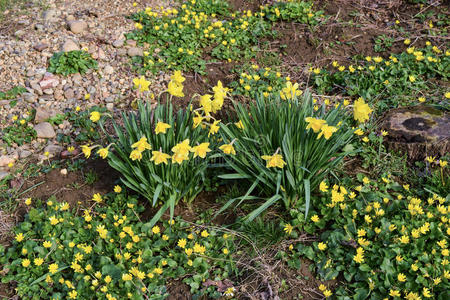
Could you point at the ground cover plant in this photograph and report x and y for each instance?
(106, 252)
(238, 149)
(77, 61)
(397, 81)
(382, 239)
(181, 38)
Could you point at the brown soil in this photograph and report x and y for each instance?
(72, 188)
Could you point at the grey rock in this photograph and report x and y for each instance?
(108, 70)
(70, 45)
(69, 94)
(45, 130)
(25, 153)
(134, 51)
(5, 160)
(42, 115)
(77, 26)
(121, 52)
(3, 174)
(19, 33)
(40, 46)
(110, 106)
(48, 91)
(109, 99)
(53, 149)
(49, 15)
(29, 97)
(118, 43)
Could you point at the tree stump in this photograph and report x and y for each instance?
(419, 131)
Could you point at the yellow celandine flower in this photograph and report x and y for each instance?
(117, 189)
(127, 277)
(361, 110)
(228, 149)
(401, 277)
(47, 244)
(322, 246)
(204, 234)
(426, 293)
(95, 116)
(28, 201)
(288, 228)
(26, 262)
(327, 293)
(404, 239)
(315, 218)
(394, 293)
(162, 127)
(199, 249)
(214, 128)
(327, 131)
(156, 229)
(442, 163)
(138, 26)
(200, 150)
(38, 261)
(359, 257)
(275, 160)
(182, 243)
(322, 287)
(188, 251)
(141, 83)
(19, 237)
(323, 187)
(290, 91)
(53, 268)
(159, 157)
(97, 198)
(102, 231)
(315, 124)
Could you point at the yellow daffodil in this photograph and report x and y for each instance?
(275, 160)
(201, 150)
(141, 83)
(159, 157)
(361, 110)
(228, 149)
(162, 127)
(327, 131)
(315, 124)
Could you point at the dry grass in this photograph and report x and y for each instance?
(6, 226)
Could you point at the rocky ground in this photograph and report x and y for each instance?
(29, 38)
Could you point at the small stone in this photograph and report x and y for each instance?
(53, 150)
(134, 51)
(3, 174)
(121, 52)
(63, 172)
(110, 106)
(59, 95)
(42, 115)
(77, 26)
(69, 93)
(25, 153)
(131, 43)
(5, 160)
(29, 97)
(48, 91)
(45, 130)
(49, 81)
(118, 43)
(101, 54)
(40, 46)
(76, 78)
(49, 14)
(109, 99)
(19, 33)
(108, 70)
(70, 45)
(30, 73)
